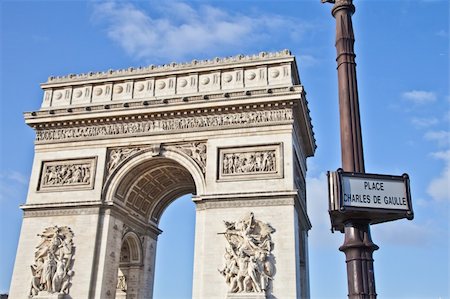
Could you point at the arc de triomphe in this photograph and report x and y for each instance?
(114, 149)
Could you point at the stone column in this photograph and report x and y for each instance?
(147, 275)
(109, 243)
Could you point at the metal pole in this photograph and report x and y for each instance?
(358, 246)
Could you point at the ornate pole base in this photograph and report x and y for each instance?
(358, 248)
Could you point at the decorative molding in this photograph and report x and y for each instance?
(241, 203)
(251, 162)
(67, 175)
(169, 67)
(148, 127)
(60, 212)
(249, 263)
(53, 262)
(195, 150)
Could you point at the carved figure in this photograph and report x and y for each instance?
(248, 263)
(249, 162)
(122, 283)
(197, 151)
(66, 174)
(51, 271)
(145, 127)
(116, 156)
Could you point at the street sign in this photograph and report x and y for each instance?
(374, 198)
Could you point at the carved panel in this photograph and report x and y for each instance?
(251, 162)
(53, 261)
(67, 174)
(165, 125)
(249, 263)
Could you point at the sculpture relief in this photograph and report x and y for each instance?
(195, 150)
(249, 162)
(164, 125)
(249, 266)
(72, 173)
(116, 156)
(52, 269)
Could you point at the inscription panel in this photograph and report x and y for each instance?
(250, 162)
(65, 175)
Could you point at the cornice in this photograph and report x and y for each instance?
(194, 65)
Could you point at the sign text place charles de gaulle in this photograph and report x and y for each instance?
(373, 198)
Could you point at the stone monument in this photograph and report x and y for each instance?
(114, 149)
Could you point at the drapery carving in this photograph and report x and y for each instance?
(52, 269)
(248, 266)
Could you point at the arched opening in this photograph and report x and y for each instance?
(143, 190)
(175, 253)
(130, 265)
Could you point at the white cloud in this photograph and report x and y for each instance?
(401, 233)
(180, 30)
(419, 96)
(423, 122)
(320, 234)
(439, 187)
(441, 137)
(305, 61)
(442, 33)
(12, 185)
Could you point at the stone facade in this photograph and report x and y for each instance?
(114, 149)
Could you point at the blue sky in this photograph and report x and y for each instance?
(402, 49)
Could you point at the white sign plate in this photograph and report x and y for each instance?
(374, 193)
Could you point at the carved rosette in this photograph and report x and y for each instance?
(248, 267)
(195, 150)
(52, 268)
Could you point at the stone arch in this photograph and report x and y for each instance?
(130, 266)
(146, 184)
(140, 188)
(131, 245)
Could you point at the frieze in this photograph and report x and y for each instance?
(163, 125)
(67, 174)
(250, 162)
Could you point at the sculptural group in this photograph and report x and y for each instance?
(52, 269)
(249, 263)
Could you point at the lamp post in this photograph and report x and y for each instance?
(358, 246)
